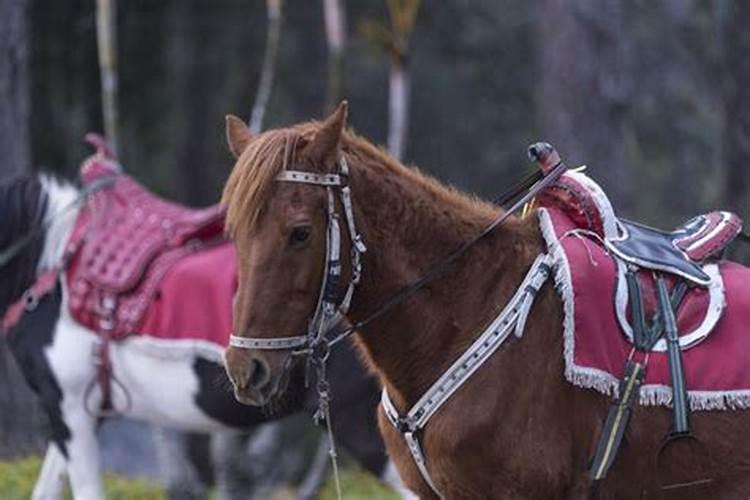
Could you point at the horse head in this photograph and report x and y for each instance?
(281, 229)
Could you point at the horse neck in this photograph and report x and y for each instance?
(33, 202)
(409, 225)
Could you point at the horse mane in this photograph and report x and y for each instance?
(248, 188)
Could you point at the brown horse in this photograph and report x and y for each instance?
(517, 428)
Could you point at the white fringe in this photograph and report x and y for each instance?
(601, 381)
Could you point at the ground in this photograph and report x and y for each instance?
(17, 480)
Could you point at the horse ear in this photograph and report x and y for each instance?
(326, 143)
(238, 135)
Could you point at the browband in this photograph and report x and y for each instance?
(310, 178)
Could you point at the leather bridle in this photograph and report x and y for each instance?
(329, 311)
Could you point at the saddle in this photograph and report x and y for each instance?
(669, 295)
(127, 240)
(682, 252)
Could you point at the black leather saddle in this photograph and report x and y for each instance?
(681, 252)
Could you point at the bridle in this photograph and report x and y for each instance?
(329, 312)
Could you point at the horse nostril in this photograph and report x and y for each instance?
(258, 374)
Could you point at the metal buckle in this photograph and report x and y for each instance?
(30, 300)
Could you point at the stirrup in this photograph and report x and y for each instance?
(674, 450)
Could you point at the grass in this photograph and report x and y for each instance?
(17, 482)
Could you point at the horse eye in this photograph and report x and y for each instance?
(299, 236)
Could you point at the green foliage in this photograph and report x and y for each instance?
(17, 482)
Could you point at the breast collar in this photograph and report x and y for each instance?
(328, 311)
(512, 319)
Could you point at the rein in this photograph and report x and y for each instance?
(533, 185)
(328, 315)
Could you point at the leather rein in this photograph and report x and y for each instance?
(328, 315)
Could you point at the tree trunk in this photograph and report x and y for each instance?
(194, 91)
(736, 98)
(403, 15)
(335, 22)
(268, 70)
(21, 420)
(106, 40)
(14, 89)
(584, 86)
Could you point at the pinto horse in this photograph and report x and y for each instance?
(173, 383)
(516, 428)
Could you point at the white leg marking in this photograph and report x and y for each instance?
(51, 480)
(84, 467)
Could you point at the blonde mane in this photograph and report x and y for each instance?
(249, 186)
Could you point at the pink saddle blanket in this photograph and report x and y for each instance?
(714, 324)
(194, 300)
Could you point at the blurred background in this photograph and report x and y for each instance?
(653, 96)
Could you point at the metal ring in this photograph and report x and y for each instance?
(30, 300)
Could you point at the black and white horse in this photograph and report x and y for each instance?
(169, 383)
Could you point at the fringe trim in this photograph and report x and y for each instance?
(601, 381)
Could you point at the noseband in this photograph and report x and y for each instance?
(328, 313)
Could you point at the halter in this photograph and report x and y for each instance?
(327, 312)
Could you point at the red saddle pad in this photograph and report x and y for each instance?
(194, 300)
(714, 324)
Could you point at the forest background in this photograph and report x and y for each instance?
(653, 96)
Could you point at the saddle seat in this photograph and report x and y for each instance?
(129, 238)
(682, 252)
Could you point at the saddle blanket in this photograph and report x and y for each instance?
(714, 323)
(194, 300)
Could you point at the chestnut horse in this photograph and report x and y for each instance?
(516, 428)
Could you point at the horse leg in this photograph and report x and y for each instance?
(51, 481)
(316, 473)
(178, 474)
(84, 467)
(228, 455)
